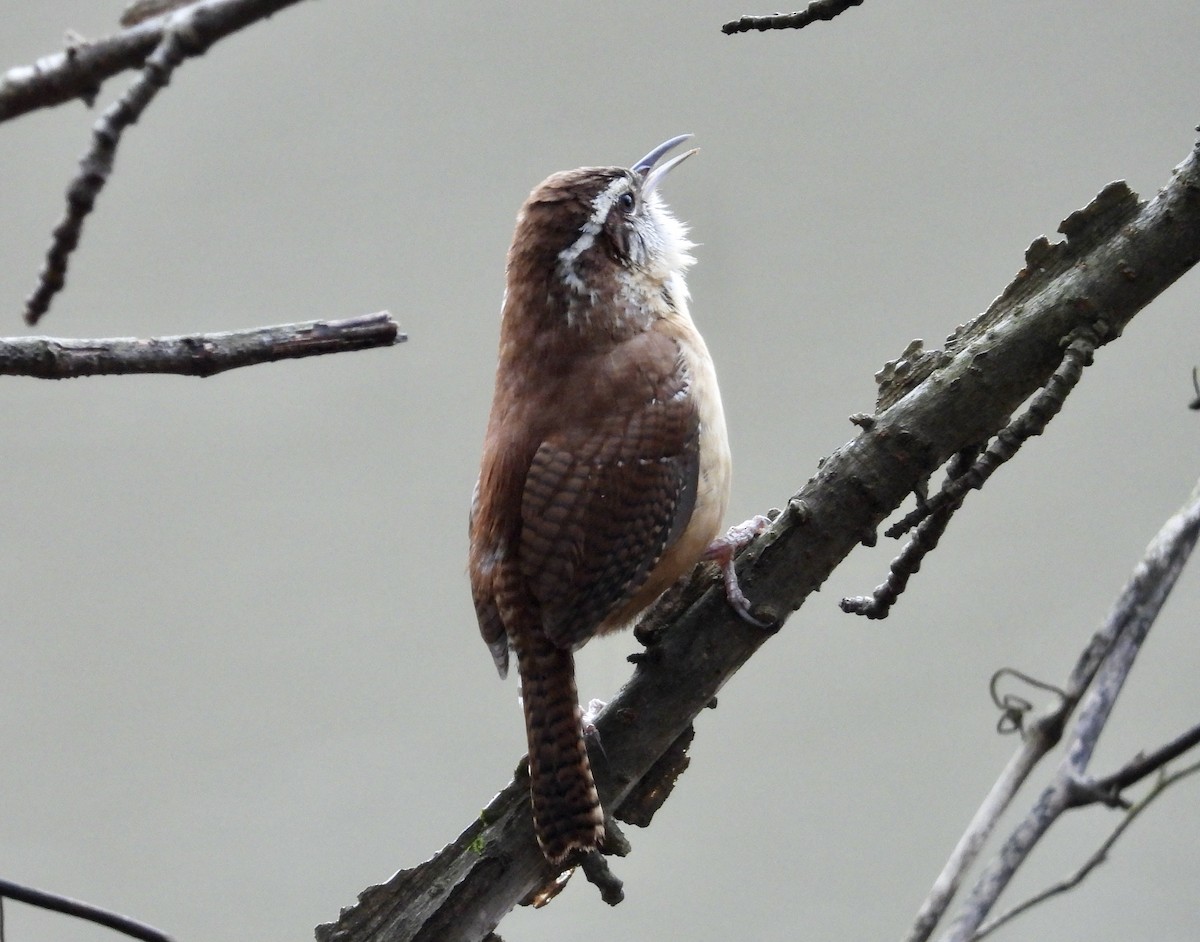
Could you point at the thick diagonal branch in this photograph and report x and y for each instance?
(1119, 255)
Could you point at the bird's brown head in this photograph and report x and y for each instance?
(597, 251)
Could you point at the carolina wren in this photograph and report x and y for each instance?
(606, 469)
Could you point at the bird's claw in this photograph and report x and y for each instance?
(722, 551)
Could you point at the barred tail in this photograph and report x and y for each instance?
(566, 808)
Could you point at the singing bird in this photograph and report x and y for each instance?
(606, 469)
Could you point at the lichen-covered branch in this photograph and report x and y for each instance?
(1043, 733)
(1164, 781)
(1102, 670)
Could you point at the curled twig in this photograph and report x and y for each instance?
(1013, 709)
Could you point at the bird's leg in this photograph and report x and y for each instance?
(722, 551)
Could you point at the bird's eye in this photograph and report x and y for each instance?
(626, 201)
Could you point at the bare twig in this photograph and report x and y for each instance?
(1114, 648)
(97, 164)
(1139, 767)
(879, 603)
(1033, 421)
(1039, 738)
(1164, 782)
(932, 515)
(193, 354)
(80, 70)
(81, 910)
(817, 10)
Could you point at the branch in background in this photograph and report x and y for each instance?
(817, 10)
(1100, 671)
(1040, 736)
(193, 354)
(97, 164)
(1138, 768)
(1164, 782)
(1119, 254)
(81, 910)
(80, 70)
(181, 35)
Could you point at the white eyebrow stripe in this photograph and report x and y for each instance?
(568, 258)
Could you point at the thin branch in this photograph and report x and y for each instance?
(879, 603)
(81, 910)
(1164, 782)
(1127, 626)
(1032, 422)
(1138, 768)
(96, 165)
(193, 354)
(988, 369)
(817, 10)
(80, 70)
(933, 514)
(1038, 738)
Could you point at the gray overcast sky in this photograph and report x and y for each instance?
(243, 680)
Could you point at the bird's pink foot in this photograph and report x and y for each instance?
(722, 551)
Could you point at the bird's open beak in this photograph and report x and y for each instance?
(645, 166)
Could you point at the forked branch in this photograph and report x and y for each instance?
(80, 69)
(1093, 685)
